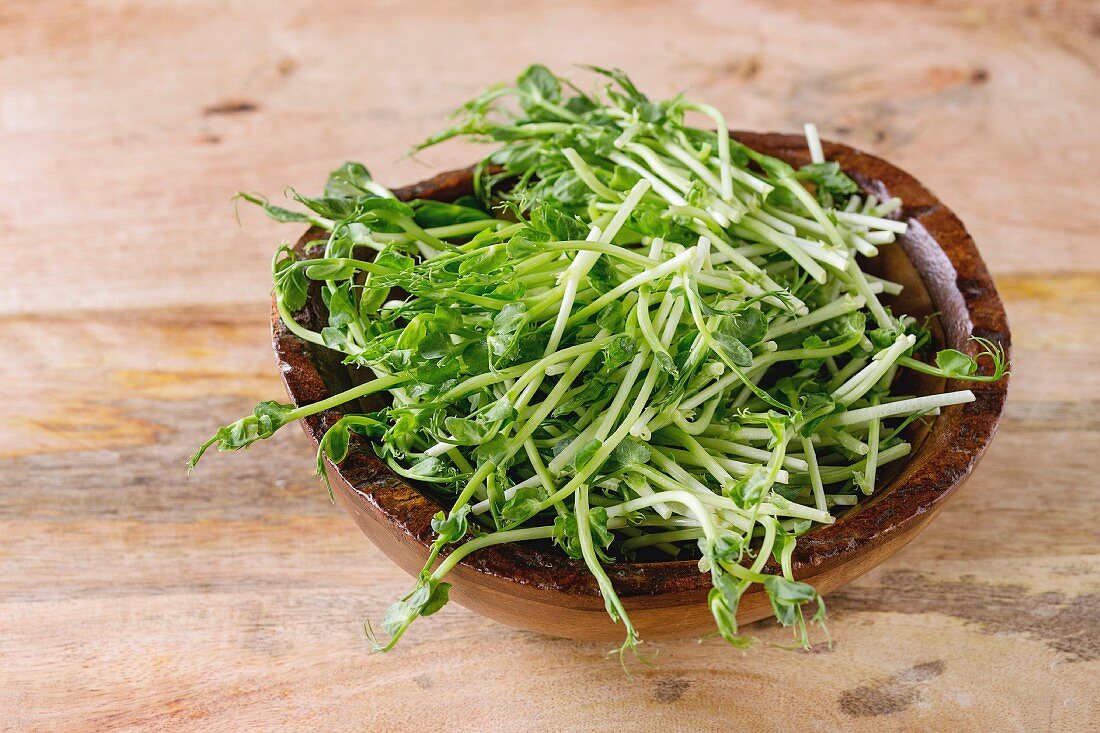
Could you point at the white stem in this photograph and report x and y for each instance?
(813, 142)
(873, 222)
(862, 382)
(847, 304)
(901, 407)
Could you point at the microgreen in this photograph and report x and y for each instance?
(639, 339)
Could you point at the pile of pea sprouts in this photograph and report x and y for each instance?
(638, 340)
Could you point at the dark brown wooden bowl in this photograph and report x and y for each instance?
(543, 591)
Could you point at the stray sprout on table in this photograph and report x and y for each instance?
(639, 339)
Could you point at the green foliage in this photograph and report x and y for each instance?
(567, 536)
(262, 423)
(831, 184)
(503, 328)
(428, 598)
(523, 504)
(351, 181)
(451, 528)
(954, 364)
(788, 597)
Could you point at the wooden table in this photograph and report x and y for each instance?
(133, 318)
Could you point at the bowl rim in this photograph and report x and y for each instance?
(925, 482)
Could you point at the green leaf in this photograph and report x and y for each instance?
(398, 617)
(439, 372)
(413, 332)
(336, 442)
(597, 390)
(601, 535)
(510, 318)
(551, 220)
(492, 451)
(485, 261)
(333, 446)
(623, 179)
(385, 208)
(617, 352)
(330, 271)
(522, 505)
(440, 596)
(467, 432)
(494, 487)
(726, 548)
(814, 408)
(612, 318)
(369, 426)
(540, 82)
(747, 326)
(451, 528)
(520, 247)
(956, 363)
(394, 260)
(730, 590)
(517, 157)
(829, 181)
(428, 468)
(725, 618)
(882, 338)
(342, 309)
(420, 595)
(510, 290)
(787, 597)
(262, 423)
(475, 357)
(435, 345)
(371, 301)
(619, 77)
(428, 213)
(565, 535)
(629, 452)
(330, 207)
(603, 276)
(732, 347)
(580, 104)
(351, 181)
(502, 409)
(774, 167)
(277, 213)
(586, 453)
(292, 288)
(665, 362)
(650, 222)
(750, 489)
(812, 342)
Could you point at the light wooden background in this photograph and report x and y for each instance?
(133, 320)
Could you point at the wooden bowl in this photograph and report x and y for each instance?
(544, 591)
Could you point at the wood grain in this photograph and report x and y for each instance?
(133, 598)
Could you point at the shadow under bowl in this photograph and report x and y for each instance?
(541, 590)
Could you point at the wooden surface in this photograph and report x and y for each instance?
(133, 320)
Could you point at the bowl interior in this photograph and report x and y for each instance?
(944, 281)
